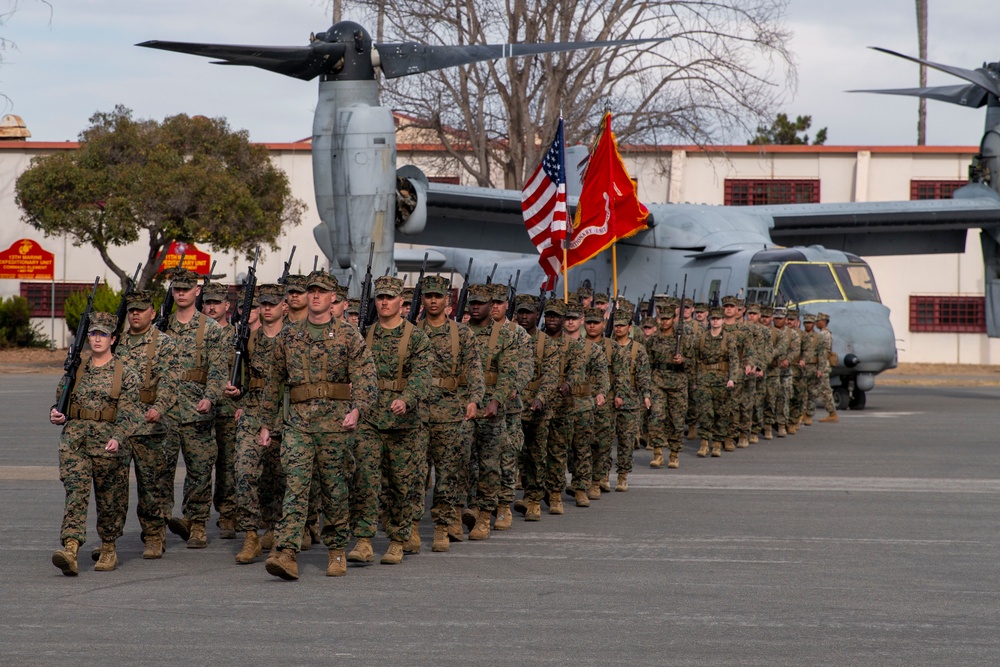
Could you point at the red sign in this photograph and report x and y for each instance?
(194, 259)
(26, 260)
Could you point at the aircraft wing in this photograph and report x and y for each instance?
(886, 228)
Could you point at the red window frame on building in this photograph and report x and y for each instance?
(920, 189)
(39, 296)
(769, 191)
(948, 314)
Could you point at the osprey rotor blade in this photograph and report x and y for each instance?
(966, 95)
(408, 58)
(300, 62)
(977, 76)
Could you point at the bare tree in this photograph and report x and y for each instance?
(712, 82)
(922, 48)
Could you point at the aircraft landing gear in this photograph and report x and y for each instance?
(857, 401)
(841, 397)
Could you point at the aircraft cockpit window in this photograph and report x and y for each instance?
(857, 281)
(800, 283)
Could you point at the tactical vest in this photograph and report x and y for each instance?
(399, 384)
(454, 380)
(106, 413)
(321, 388)
(147, 392)
(719, 366)
(199, 373)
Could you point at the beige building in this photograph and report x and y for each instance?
(933, 298)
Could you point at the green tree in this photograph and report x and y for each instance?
(188, 179)
(786, 132)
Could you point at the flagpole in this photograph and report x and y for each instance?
(614, 270)
(565, 271)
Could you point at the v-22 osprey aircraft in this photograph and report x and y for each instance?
(807, 254)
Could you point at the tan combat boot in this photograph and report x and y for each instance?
(728, 445)
(456, 531)
(412, 545)
(337, 564)
(362, 551)
(283, 564)
(782, 431)
(594, 491)
(753, 439)
(831, 418)
(703, 449)
(180, 527)
(251, 548)
(66, 558)
(742, 443)
(394, 554)
(307, 541)
(657, 461)
(581, 499)
(807, 420)
(154, 546)
(505, 518)
(673, 461)
(533, 511)
(109, 558)
(622, 485)
(605, 485)
(441, 542)
(716, 449)
(555, 503)
(768, 433)
(198, 539)
(481, 531)
(227, 528)
(267, 541)
(469, 516)
(692, 433)
(519, 486)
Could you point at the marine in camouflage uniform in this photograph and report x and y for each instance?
(147, 351)
(583, 375)
(603, 434)
(826, 392)
(692, 328)
(743, 339)
(456, 389)
(93, 448)
(513, 442)
(331, 386)
(391, 442)
(815, 366)
(200, 362)
(538, 395)
(718, 366)
(669, 386)
(215, 297)
(775, 415)
(497, 347)
(632, 390)
(763, 352)
(796, 397)
(260, 481)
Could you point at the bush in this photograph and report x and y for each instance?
(16, 329)
(106, 300)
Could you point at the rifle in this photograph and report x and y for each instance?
(241, 335)
(637, 319)
(73, 360)
(417, 291)
(463, 294)
(541, 303)
(365, 305)
(122, 312)
(512, 296)
(163, 319)
(652, 301)
(489, 278)
(679, 325)
(315, 261)
(288, 267)
(200, 299)
(609, 328)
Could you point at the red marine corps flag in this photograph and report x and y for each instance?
(543, 204)
(609, 208)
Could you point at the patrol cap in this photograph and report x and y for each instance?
(183, 278)
(139, 300)
(573, 296)
(808, 318)
(649, 323)
(215, 292)
(601, 297)
(662, 302)
(271, 294)
(793, 312)
(666, 312)
(741, 303)
(585, 291)
(295, 283)
(780, 313)
(407, 294)
(688, 303)
(753, 308)
(556, 307)
(622, 317)
(574, 310)
(354, 306)
(822, 316)
(500, 292)
(625, 304)
(766, 311)
(591, 315)
(480, 293)
(701, 307)
(715, 313)
(104, 322)
(341, 291)
(527, 302)
(388, 286)
(730, 301)
(435, 285)
(322, 280)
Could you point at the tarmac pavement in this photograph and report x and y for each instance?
(869, 542)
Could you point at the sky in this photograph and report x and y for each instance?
(65, 62)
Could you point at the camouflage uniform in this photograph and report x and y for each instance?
(826, 392)
(200, 362)
(390, 448)
(796, 400)
(457, 380)
(148, 355)
(603, 433)
(329, 372)
(743, 340)
(632, 383)
(717, 363)
(816, 369)
(775, 408)
(95, 416)
(513, 442)
(668, 390)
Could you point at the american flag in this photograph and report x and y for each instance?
(543, 204)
